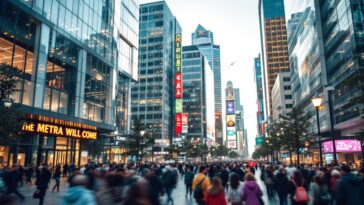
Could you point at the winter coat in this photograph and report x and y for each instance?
(224, 175)
(251, 192)
(234, 195)
(78, 195)
(189, 178)
(281, 183)
(43, 179)
(170, 179)
(218, 199)
(205, 183)
(348, 190)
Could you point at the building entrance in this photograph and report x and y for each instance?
(64, 150)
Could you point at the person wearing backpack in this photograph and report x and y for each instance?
(200, 185)
(235, 188)
(319, 194)
(297, 191)
(280, 185)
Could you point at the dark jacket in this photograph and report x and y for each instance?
(43, 179)
(170, 179)
(348, 190)
(224, 175)
(57, 173)
(189, 178)
(281, 183)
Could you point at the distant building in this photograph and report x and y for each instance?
(282, 95)
(204, 40)
(235, 136)
(259, 82)
(198, 96)
(153, 97)
(274, 46)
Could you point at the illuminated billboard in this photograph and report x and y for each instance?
(348, 146)
(231, 133)
(229, 94)
(185, 123)
(232, 144)
(178, 85)
(178, 126)
(179, 105)
(230, 120)
(230, 107)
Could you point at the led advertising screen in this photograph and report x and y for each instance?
(229, 94)
(231, 144)
(230, 120)
(178, 126)
(179, 105)
(348, 146)
(231, 133)
(178, 85)
(185, 123)
(230, 107)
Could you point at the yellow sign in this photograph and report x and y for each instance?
(178, 52)
(45, 128)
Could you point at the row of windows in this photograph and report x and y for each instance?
(287, 87)
(151, 48)
(152, 63)
(146, 9)
(149, 117)
(155, 79)
(151, 17)
(151, 40)
(151, 55)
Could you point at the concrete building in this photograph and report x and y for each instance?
(282, 95)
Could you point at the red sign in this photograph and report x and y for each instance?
(178, 126)
(178, 85)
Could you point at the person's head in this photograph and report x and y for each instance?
(79, 180)
(188, 169)
(335, 172)
(297, 177)
(234, 181)
(318, 179)
(203, 169)
(282, 170)
(345, 169)
(249, 177)
(216, 186)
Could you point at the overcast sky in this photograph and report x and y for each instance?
(235, 24)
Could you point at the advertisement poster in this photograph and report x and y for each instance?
(230, 120)
(348, 146)
(179, 105)
(231, 144)
(178, 85)
(178, 123)
(230, 94)
(230, 108)
(185, 123)
(231, 133)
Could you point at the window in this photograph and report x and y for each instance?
(288, 97)
(286, 79)
(289, 106)
(287, 87)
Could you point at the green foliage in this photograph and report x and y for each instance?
(233, 154)
(8, 80)
(219, 151)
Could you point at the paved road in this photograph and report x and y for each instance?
(53, 198)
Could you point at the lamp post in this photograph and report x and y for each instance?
(140, 145)
(330, 89)
(317, 102)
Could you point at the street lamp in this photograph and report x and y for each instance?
(140, 145)
(330, 90)
(317, 102)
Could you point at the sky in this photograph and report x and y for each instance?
(235, 24)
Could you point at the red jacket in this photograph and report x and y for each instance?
(216, 200)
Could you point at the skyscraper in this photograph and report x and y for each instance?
(282, 95)
(72, 73)
(260, 100)
(274, 46)
(153, 97)
(204, 40)
(198, 96)
(326, 61)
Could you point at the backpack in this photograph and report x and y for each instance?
(301, 195)
(324, 197)
(198, 192)
(235, 195)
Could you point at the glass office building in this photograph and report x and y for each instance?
(326, 51)
(198, 95)
(258, 77)
(204, 40)
(153, 95)
(76, 59)
(274, 46)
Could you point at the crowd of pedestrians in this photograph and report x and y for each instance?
(218, 183)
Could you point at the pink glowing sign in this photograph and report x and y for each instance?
(343, 146)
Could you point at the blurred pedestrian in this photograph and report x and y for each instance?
(111, 194)
(251, 194)
(57, 177)
(235, 189)
(78, 194)
(65, 170)
(188, 181)
(137, 195)
(155, 187)
(200, 185)
(170, 179)
(10, 179)
(319, 194)
(298, 193)
(8, 200)
(348, 188)
(28, 174)
(42, 183)
(216, 194)
(280, 185)
(224, 176)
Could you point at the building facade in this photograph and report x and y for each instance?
(274, 46)
(282, 95)
(75, 78)
(325, 44)
(153, 96)
(198, 96)
(258, 77)
(204, 40)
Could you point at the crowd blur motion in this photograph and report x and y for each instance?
(215, 183)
